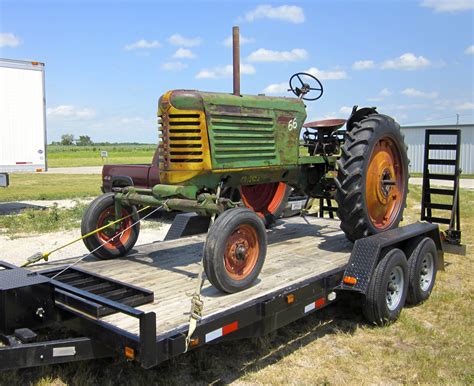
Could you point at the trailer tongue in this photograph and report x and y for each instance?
(138, 308)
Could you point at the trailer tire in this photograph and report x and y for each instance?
(235, 250)
(387, 289)
(421, 271)
(372, 180)
(99, 213)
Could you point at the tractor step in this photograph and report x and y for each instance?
(92, 283)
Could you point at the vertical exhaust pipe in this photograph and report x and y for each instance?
(236, 59)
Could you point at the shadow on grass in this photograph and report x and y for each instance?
(221, 363)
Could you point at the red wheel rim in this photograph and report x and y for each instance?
(385, 184)
(263, 198)
(106, 236)
(241, 252)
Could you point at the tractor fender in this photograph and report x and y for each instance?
(358, 115)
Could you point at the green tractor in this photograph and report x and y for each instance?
(236, 157)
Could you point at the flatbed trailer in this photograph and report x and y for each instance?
(96, 303)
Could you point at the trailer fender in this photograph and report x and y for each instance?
(368, 251)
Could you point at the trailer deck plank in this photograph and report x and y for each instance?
(296, 251)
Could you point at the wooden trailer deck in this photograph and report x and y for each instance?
(296, 251)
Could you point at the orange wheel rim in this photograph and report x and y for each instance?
(263, 198)
(107, 235)
(385, 184)
(241, 252)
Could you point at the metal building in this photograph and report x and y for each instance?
(415, 139)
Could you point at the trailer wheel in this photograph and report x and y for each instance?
(421, 271)
(101, 212)
(387, 289)
(235, 250)
(372, 180)
(267, 200)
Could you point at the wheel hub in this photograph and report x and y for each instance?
(241, 252)
(385, 184)
(394, 288)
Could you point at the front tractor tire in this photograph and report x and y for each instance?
(235, 250)
(109, 243)
(372, 180)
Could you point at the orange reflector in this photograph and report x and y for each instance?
(349, 280)
(129, 353)
(290, 298)
(39, 170)
(194, 342)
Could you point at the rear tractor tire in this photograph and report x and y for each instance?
(235, 250)
(372, 181)
(268, 201)
(110, 242)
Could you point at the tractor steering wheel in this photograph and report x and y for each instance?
(304, 87)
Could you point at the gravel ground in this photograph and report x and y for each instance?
(17, 250)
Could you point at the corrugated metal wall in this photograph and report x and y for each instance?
(415, 140)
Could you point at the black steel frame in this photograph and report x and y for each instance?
(453, 233)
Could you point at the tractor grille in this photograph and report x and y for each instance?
(182, 140)
(241, 138)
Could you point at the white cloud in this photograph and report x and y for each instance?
(184, 53)
(469, 50)
(363, 65)
(375, 99)
(264, 55)
(7, 39)
(412, 92)
(385, 92)
(448, 5)
(132, 120)
(276, 88)
(466, 106)
(242, 40)
(174, 66)
(224, 72)
(179, 40)
(290, 13)
(327, 75)
(142, 43)
(345, 110)
(407, 61)
(70, 112)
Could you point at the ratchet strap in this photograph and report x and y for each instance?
(197, 304)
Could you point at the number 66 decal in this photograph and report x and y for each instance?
(292, 124)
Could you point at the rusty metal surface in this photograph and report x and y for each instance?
(327, 123)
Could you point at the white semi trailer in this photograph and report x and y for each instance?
(22, 118)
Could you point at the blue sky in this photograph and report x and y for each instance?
(108, 62)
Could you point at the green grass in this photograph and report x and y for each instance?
(73, 156)
(31, 186)
(34, 221)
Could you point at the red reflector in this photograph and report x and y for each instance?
(320, 302)
(227, 329)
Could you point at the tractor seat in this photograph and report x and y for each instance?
(332, 124)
